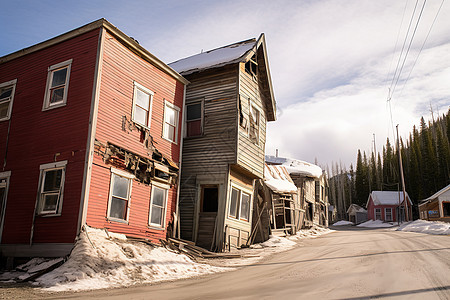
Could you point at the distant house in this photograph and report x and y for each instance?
(228, 103)
(90, 124)
(387, 205)
(356, 214)
(437, 206)
(313, 189)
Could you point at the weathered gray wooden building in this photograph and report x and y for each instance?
(228, 103)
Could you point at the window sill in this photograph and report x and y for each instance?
(47, 215)
(117, 221)
(50, 107)
(173, 142)
(238, 220)
(155, 227)
(5, 119)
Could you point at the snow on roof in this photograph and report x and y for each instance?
(213, 58)
(278, 180)
(355, 208)
(295, 166)
(436, 195)
(387, 197)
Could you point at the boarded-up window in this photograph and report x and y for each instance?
(254, 125)
(194, 119)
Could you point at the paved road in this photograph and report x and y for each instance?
(348, 264)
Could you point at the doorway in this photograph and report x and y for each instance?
(209, 204)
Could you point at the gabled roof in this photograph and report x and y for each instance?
(436, 195)
(387, 198)
(129, 42)
(278, 180)
(296, 166)
(230, 54)
(355, 208)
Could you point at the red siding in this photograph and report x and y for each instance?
(38, 137)
(120, 68)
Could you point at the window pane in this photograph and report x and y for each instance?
(50, 201)
(2, 200)
(120, 188)
(194, 128)
(57, 95)
(52, 180)
(158, 196)
(118, 208)
(140, 115)
(245, 207)
(142, 99)
(59, 77)
(5, 93)
(4, 107)
(169, 132)
(194, 111)
(170, 116)
(157, 215)
(234, 202)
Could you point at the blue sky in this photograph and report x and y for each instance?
(331, 60)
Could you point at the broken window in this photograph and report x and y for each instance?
(243, 122)
(119, 195)
(157, 206)
(142, 105)
(7, 90)
(251, 67)
(239, 205)
(51, 188)
(57, 85)
(4, 181)
(377, 213)
(254, 124)
(170, 127)
(194, 119)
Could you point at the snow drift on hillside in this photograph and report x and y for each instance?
(423, 226)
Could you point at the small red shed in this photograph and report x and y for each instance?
(387, 206)
(92, 128)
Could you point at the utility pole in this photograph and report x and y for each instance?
(402, 178)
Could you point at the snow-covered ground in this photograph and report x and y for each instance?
(375, 224)
(343, 223)
(103, 259)
(426, 227)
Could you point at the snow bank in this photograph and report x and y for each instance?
(429, 227)
(375, 224)
(343, 223)
(101, 260)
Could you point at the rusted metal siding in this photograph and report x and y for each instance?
(120, 68)
(38, 137)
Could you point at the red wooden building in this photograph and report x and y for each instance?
(387, 206)
(90, 124)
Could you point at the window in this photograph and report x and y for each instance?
(51, 188)
(254, 125)
(446, 209)
(251, 67)
(142, 105)
(170, 127)
(7, 90)
(157, 214)
(239, 205)
(57, 85)
(119, 195)
(388, 214)
(377, 213)
(4, 182)
(194, 119)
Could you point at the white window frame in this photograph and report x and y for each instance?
(166, 188)
(11, 99)
(375, 213)
(137, 86)
(168, 105)
(4, 175)
(51, 70)
(130, 178)
(44, 168)
(385, 214)
(201, 102)
(241, 191)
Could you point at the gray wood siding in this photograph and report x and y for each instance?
(251, 155)
(211, 153)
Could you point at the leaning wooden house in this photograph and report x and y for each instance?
(228, 103)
